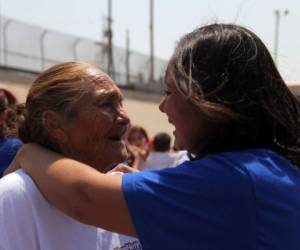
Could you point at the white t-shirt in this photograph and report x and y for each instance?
(158, 160)
(29, 222)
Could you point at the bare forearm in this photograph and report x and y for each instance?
(78, 190)
(55, 176)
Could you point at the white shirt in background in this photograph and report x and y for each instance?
(159, 160)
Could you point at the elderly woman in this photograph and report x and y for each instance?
(240, 124)
(74, 109)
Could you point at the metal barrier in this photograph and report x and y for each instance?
(28, 47)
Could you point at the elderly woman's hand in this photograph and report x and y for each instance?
(123, 169)
(138, 152)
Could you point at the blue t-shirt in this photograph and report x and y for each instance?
(8, 150)
(242, 200)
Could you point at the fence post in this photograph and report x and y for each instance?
(42, 48)
(5, 50)
(75, 44)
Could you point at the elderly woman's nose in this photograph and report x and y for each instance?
(123, 116)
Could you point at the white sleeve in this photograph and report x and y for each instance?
(182, 157)
(17, 227)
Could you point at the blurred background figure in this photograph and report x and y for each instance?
(10, 98)
(138, 136)
(138, 145)
(9, 145)
(13, 112)
(161, 155)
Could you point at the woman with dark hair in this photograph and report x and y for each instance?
(138, 136)
(11, 99)
(240, 124)
(9, 144)
(13, 112)
(138, 145)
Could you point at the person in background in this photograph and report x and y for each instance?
(11, 99)
(9, 145)
(161, 156)
(138, 145)
(74, 109)
(13, 112)
(240, 124)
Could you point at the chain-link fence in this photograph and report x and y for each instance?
(31, 48)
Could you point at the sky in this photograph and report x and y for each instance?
(173, 19)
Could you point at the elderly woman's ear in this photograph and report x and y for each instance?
(54, 124)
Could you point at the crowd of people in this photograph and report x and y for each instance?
(152, 154)
(85, 178)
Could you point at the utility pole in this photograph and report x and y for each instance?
(109, 49)
(151, 27)
(278, 15)
(103, 57)
(127, 58)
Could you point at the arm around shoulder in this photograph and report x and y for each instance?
(77, 189)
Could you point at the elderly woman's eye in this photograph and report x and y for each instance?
(105, 104)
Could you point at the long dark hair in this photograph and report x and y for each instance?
(227, 71)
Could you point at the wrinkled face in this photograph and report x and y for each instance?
(138, 139)
(184, 115)
(95, 135)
